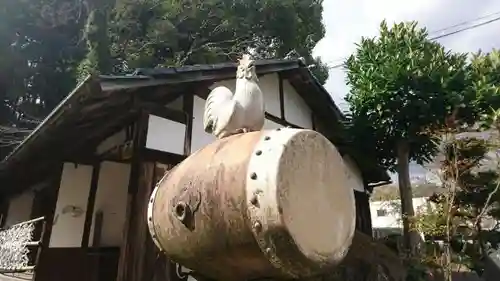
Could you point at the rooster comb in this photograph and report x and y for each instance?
(245, 59)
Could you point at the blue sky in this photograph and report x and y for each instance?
(347, 21)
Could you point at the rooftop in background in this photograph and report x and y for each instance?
(391, 191)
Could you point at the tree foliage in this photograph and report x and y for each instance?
(412, 99)
(156, 32)
(402, 84)
(485, 77)
(46, 46)
(466, 212)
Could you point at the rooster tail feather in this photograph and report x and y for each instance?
(213, 107)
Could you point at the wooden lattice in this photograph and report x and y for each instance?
(15, 243)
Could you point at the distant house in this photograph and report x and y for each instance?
(386, 211)
(90, 166)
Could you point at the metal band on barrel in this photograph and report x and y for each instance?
(261, 193)
(151, 203)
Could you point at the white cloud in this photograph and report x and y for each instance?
(347, 21)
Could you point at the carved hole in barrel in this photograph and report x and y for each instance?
(182, 211)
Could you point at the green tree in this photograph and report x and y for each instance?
(154, 33)
(485, 74)
(96, 34)
(466, 210)
(45, 46)
(403, 84)
(38, 46)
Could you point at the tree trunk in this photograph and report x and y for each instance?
(405, 193)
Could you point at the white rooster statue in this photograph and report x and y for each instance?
(227, 114)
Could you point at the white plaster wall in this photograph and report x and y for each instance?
(269, 84)
(111, 199)
(270, 125)
(393, 217)
(165, 135)
(67, 229)
(111, 142)
(296, 110)
(355, 178)
(199, 137)
(20, 208)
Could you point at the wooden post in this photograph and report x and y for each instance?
(47, 200)
(4, 209)
(96, 243)
(188, 109)
(281, 96)
(89, 215)
(363, 216)
(134, 251)
(162, 269)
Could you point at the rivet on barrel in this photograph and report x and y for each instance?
(268, 251)
(257, 226)
(253, 176)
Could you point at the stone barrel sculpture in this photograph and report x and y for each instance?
(270, 204)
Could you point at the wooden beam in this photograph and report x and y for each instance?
(82, 159)
(36, 212)
(313, 120)
(48, 208)
(164, 112)
(119, 153)
(203, 91)
(164, 95)
(162, 156)
(96, 237)
(4, 210)
(281, 95)
(281, 121)
(138, 143)
(128, 252)
(89, 215)
(187, 104)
